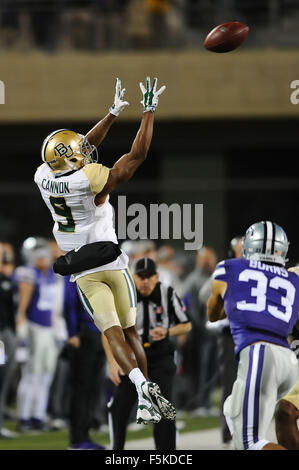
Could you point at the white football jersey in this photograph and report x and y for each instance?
(77, 220)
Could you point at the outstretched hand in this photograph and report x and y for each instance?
(150, 94)
(119, 103)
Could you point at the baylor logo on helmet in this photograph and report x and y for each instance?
(64, 150)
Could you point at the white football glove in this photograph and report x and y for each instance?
(150, 95)
(119, 104)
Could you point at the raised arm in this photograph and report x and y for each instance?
(97, 134)
(125, 167)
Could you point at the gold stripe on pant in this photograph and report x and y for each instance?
(110, 297)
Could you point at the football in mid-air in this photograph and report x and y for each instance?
(226, 37)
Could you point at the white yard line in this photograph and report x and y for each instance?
(200, 440)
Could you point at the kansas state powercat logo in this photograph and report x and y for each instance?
(2, 92)
(63, 150)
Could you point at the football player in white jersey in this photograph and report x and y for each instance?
(76, 191)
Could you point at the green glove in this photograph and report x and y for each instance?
(150, 95)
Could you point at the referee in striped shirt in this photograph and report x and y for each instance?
(160, 315)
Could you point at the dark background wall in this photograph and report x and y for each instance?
(241, 170)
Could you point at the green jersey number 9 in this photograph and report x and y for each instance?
(61, 208)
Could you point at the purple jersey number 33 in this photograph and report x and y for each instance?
(261, 301)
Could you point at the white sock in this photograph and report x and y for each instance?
(137, 377)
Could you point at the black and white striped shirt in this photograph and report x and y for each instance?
(163, 307)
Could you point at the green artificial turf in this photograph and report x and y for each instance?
(58, 440)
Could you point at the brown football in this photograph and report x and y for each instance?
(226, 37)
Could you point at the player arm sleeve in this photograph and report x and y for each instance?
(97, 175)
(221, 272)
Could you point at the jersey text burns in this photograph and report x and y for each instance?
(56, 187)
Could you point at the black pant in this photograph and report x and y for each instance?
(228, 372)
(9, 339)
(161, 371)
(86, 364)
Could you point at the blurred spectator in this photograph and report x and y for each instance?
(137, 25)
(146, 248)
(7, 328)
(161, 315)
(59, 392)
(110, 24)
(136, 249)
(37, 291)
(225, 10)
(87, 360)
(130, 247)
(76, 25)
(33, 22)
(78, 383)
(227, 360)
(196, 359)
(168, 269)
(9, 24)
(235, 247)
(45, 22)
(157, 11)
(95, 24)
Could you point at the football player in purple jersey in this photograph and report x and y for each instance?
(37, 286)
(261, 300)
